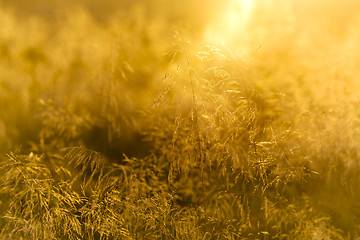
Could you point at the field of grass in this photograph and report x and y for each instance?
(179, 119)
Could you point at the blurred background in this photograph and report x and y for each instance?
(52, 50)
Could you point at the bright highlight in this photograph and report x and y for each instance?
(232, 22)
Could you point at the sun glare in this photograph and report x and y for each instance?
(246, 7)
(233, 21)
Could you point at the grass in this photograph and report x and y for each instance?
(121, 127)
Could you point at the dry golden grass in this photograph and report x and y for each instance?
(140, 124)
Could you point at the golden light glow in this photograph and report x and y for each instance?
(136, 119)
(232, 22)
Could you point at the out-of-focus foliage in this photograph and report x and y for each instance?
(179, 120)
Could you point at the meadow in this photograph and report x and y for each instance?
(179, 120)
